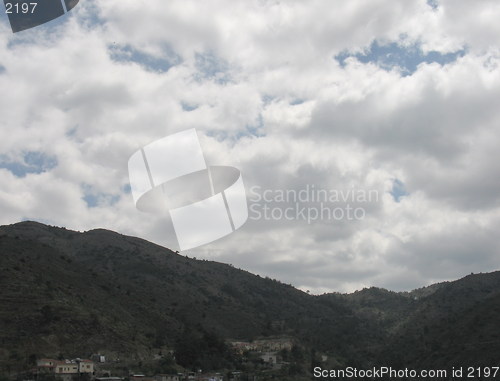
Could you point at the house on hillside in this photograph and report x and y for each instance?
(46, 365)
(242, 346)
(263, 345)
(98, 358)
(85, 366)
(274, 344)
(65, 370)
(269, 358)
(46, 362)
(66, 367)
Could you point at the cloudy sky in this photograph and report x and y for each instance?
(396, 98)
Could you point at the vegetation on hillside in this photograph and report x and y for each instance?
(66, 293)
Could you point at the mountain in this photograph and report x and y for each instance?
(67, 293)
(456, 325)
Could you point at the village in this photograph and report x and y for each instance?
(265, 352)
(85, 369)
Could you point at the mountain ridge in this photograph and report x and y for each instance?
(78, 293)
(424, 290)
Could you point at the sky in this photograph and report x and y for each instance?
(389, 108)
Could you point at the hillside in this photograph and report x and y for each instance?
(74, 294)
(98, 291)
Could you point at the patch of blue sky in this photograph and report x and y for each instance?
(405, 58)
(267, 99)
(219, 135)
(31, 162)
(296, 101)
(250, 131)
(127, 189)
(255, 130)
(72, 131)
(90, 17)
(398, 190)
(4, 20)
(186, 106)
(94, 199)
(233, 137)
(128, 53)
(434, 4)
(2, 69)
(31, 36)
(211, 67)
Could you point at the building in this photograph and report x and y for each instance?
(98, 358)
(269, 358)
(274, 344)
(85, 366)
(65, 369)
(50, 363)
(263, 345)
(46, 365)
